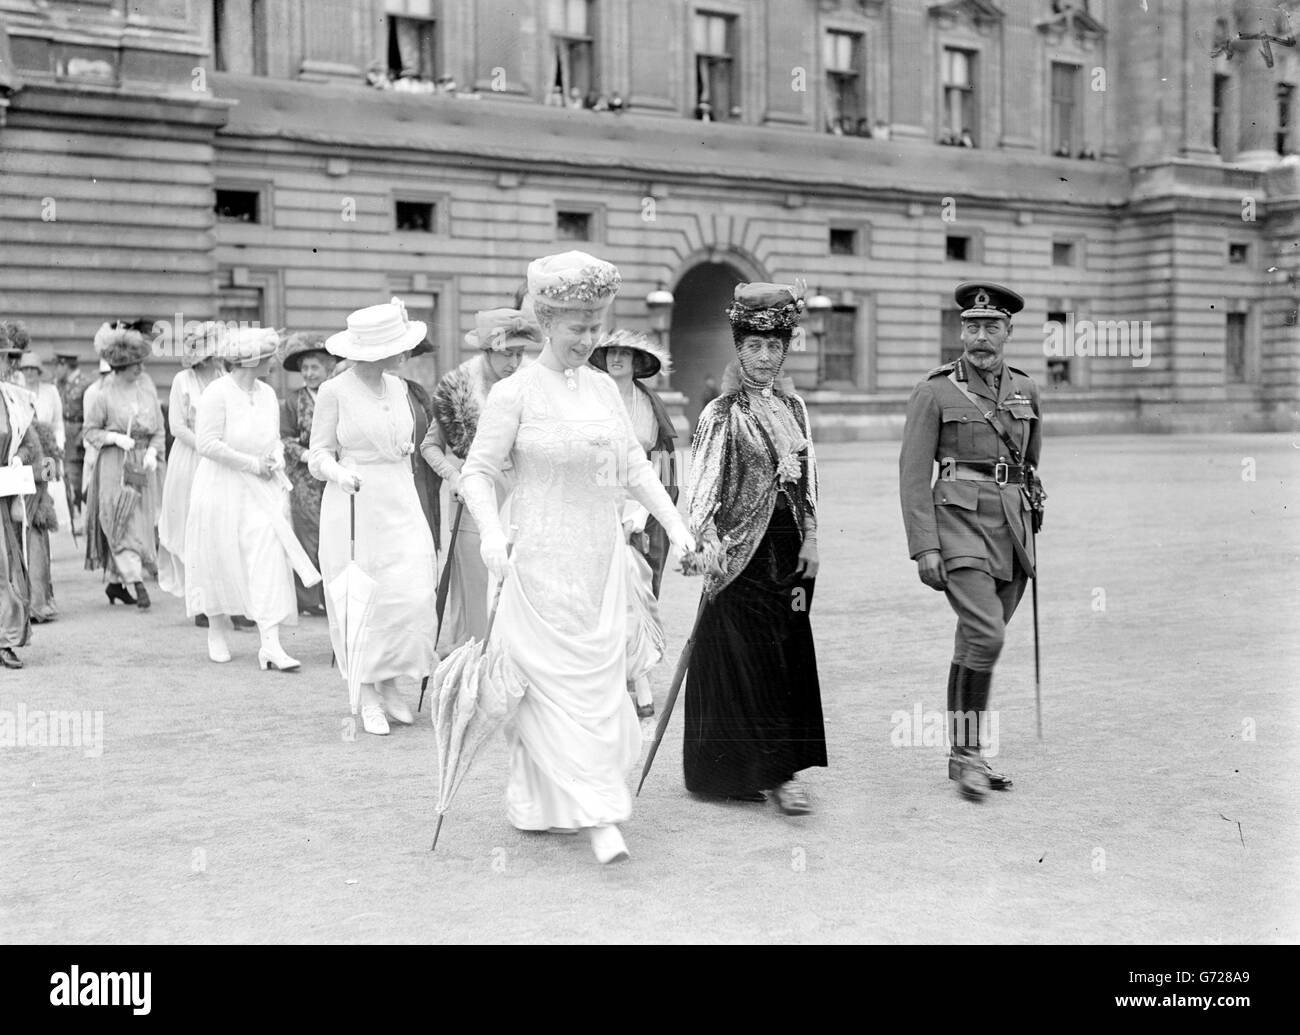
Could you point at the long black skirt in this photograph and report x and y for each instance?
(753, 702)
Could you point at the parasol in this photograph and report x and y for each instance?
(128, 498)
(352, 598)
(683, 663)
(443, 585)
(476, 688)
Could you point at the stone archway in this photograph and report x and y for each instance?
(700, 334)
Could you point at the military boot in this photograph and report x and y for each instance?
(973, 695)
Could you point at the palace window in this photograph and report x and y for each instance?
(1285, 101)
(412, 39)
(958, 121)
(1219, 107)
(420, 216)
(238, 206)
(573, 75)
(957, 248)
(239, 36)
(1238, 253)
(573, 226)
(845, 84)
(1066, 122)
(843, 240)
(1063, 253)
(1058, 368)
(716, 95)
(1234, 362)
(840, 345)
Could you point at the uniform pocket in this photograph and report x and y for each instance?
(965, 495)
(957, 436)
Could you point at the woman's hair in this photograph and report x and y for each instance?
(739, 334)
(548, 315)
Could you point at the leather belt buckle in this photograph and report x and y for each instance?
(1001, 472)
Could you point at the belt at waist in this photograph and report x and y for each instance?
(1001, 473)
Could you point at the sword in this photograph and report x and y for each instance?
(1038, 678)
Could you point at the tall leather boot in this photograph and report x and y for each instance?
(976, 698)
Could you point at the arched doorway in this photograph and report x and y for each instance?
(700, 334)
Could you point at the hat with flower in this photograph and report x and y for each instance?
(250, 346)
(377, 332)
(767, 307)
(573, 280)
(120, 345)
(501, 329)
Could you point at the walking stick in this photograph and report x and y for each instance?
(679, 676)
(1038, 679)
(352, 543)
(444, 583)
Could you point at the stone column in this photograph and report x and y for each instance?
(1256, 92)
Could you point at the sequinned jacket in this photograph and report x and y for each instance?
(736, 476)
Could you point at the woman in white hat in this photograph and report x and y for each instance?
(41, 510)
(124, 423)
(500, 335)
(201, 368)
(563, 610)
(240, 551)
(632, 359)
(362, 440)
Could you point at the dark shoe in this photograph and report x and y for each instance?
(141, 597)
(995, 781)
(201, 621)
(972, 782)
(9, 659)
(791, 799)
(240, 622)
(116, 592)
(752, 796)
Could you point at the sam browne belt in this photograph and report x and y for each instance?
(1000, 472)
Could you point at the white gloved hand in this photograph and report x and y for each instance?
(493, 551)
(349, 482)
(116, 438)
(151, 459)
(682, 539)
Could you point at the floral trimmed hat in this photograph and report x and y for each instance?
(573, 280)
(766, 307)
(120, 345)
(648, 358)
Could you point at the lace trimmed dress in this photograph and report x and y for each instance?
(373, 437)
(563, 610)
(182, 463)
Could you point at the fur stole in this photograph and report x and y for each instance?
(457, 403)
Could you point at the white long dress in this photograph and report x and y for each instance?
(236, 562)
(182, 464)
(354, 429)
(563, 610)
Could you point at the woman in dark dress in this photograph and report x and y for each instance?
(753, 702)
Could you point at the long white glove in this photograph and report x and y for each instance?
(492, 548)
(116, 438)
(151, 459)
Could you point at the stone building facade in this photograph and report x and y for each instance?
(1130, 169)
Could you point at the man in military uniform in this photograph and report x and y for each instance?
(970, 532)
(72, 386)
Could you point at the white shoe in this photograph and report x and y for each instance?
(608, 844)
(218, 651)
(373, 721)
(395, 706)
(276, 658)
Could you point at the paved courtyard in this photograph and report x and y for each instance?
(225, 804)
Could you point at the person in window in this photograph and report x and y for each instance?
(753, 701)
(562, 619)
(125, 424)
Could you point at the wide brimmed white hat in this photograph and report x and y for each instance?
(377, 332)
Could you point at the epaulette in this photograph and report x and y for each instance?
(1017, 370)
(945, 370)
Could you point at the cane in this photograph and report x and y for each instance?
(1038, 677)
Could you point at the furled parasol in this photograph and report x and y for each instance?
(476, 688)
(352, 598)
(128, 497)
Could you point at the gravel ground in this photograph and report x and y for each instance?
(231, 805)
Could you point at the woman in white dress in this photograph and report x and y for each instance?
(201, 369)
(501, 335)
(240, 552)
(362, 440)
(563, 609)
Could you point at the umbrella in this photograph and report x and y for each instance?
(352, 598)
(443, 585)
(476, 688)
(683, 663)
(128, 498)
